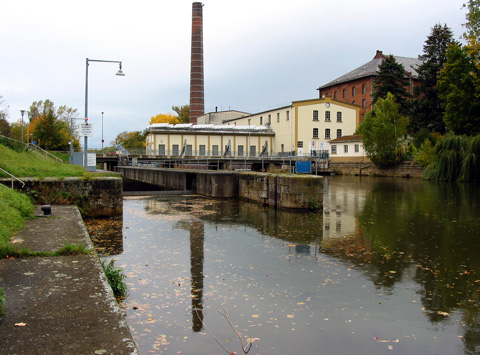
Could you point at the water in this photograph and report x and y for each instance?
(389, 266)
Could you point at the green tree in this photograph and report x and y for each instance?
(392, 79)
(183, 113)
(382, 131)
(427, 107)
(130, 140)
(459, 90)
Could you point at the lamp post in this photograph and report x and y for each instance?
(119, 73)
(22, 112)
(102, 135)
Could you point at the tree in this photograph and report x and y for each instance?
(392, 79)
(183, 116)
(472, 35)
(164, 118)
(183, 113)
(130, 140)
(427, 107)
(459, 89)
(382, 132)
(51, 126)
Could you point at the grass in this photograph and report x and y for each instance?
(11, 251)
(27, 164)
(116, 278)
(14, 209)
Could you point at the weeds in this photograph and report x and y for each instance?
(11, 251)
(116, 278)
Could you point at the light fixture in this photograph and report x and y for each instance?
(120, 72)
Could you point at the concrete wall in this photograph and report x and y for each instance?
(405, 169)
(282, 191)
(97, 197)
(274, 190)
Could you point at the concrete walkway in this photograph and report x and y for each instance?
(59, 305)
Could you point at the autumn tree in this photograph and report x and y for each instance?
(382, 132)
(427, 112)
(392, 79)
(183, 116)
(51, 126)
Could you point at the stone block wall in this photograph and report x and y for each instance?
(405, 169)
(96, 197)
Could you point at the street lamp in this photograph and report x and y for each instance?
(22, 112)
(102, 134)
(119, 73)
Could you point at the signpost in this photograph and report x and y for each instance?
(85, 130)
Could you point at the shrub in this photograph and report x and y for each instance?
(116, 278)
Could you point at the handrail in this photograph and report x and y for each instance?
(50, 155)
(27, 145)
(13, 177)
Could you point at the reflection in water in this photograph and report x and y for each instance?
(388, 262)
(196, 268)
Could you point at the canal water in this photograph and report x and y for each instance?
(390, 266)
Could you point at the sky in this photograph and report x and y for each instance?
(258, 54)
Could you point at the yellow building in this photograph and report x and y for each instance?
(304, 128)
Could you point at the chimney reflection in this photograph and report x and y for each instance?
(197, 236)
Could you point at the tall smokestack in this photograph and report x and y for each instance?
(197, 107)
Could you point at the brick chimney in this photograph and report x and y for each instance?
(379, 55)
(197, 102)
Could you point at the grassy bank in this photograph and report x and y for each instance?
(25, 163)
(14, 209)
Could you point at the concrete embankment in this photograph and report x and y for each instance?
(59, 305)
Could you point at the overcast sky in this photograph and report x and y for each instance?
(259, 54)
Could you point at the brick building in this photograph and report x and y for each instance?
(357, 86)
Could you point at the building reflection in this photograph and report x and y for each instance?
(197, 237)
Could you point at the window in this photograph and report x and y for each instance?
(175, 149)
(253, 150)
(261, 120)
(240, 150)
(364, 103)
(288, 115)
(357, 148)
(364, 89)
(339, 133)
(188, 150)
(334, 149)
(327, 116)
(315, 115)
(202, 150)
(214, 149)
(344, 93)
(315, 133)
(339, 117)
(354, 91)
(161, 149)
(327, 133)
(335, 96)
(278, 117)
(269, 119)
(300, 144)
(345, 148)
(282, 147)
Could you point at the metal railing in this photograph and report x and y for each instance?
(205, 154)
(12, 178)
(29, 146)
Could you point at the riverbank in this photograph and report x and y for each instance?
(59, 304)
